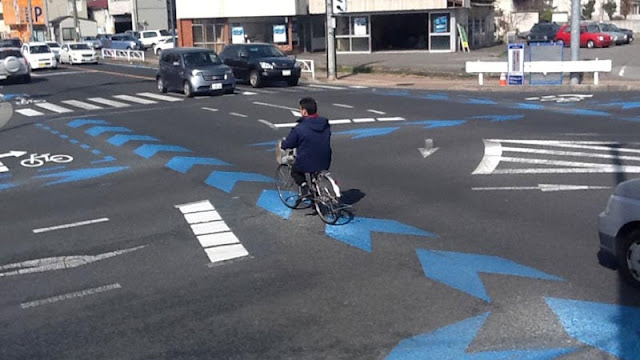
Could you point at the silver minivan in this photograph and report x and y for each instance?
(13, 65)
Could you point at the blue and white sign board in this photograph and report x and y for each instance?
(279, 34)
(515, 58)
(237, 35)
(441, 24)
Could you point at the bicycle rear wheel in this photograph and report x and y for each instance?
(288, 190)
(326, 201)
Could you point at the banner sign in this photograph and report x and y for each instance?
(279, 34)
(515, 56)
(237, 35)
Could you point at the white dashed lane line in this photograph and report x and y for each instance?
(72, 225)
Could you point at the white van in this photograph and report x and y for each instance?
(39, 55)
(149, 38)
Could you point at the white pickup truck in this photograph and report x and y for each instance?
(149, 38)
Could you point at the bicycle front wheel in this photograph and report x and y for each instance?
(327, 202)
(288, 190)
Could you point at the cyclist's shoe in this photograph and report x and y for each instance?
(305, 194)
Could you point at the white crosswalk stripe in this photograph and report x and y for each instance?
(81, 105)
(160, 97)
(113, 103)
(134, 99)
(52, 107)
(29, 112)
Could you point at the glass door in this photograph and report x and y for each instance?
(441, 32)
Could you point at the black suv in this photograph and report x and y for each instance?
(543, 32)
(258, 63)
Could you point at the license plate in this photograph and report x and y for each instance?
(286, 72)
(42, 64)
(216, 86)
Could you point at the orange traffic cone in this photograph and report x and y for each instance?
(503, 79)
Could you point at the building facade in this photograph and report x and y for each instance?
(365, 26)
(148, 14)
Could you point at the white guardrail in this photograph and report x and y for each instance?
(308, 66)
(544, 67)
(129, 55)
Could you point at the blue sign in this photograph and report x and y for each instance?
(515, 70)
(451, 343)
(440, 24)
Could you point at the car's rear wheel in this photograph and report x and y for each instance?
(159, 52)
(629, 258)
(254, 79)
(161, 87)
(186, 88)
(591, 44)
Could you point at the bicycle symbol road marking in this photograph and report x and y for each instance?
(36, 160)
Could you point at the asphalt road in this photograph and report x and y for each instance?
(162, 238)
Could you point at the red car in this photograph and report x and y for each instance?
(590, 36)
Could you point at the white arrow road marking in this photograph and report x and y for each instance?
(428, 148)
(543, 188)
(72, 295)
(13, 153)
(296, 113)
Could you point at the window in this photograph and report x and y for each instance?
(208, 34)
(353, 33)
(40, 49)
(148, 34)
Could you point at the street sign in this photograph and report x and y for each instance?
(339, 6)
(515, 56)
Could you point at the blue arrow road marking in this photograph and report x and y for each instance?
(481, 102)
(270, 201)
(499, 118)
(526, 106)
(149, 150)
(121, 139)
(106, 159)
(623, 105)
(439, 97)
(461, 271)
(81, 174)
(183, 164)
(586, 112)
(367, 133)
(99, 130)
(357, 233)
(6, 186)
(82, 122)
(451, 343)
(434, 124)
(611, 328)
(53, 168)
(226, 181)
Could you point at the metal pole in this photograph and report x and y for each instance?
(75, 20)
(331, 43)
(575, 38)
(134, 15)
(171, 22)
(46, 19)
(30, 19)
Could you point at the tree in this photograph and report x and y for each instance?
(610, 8)
(588, 9)
(625, 8)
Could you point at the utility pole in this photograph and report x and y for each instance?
(331, 43)
(575, 38)
(171, 23)
(75, 20)
(46, 19)
(30, 19)
(134, 15)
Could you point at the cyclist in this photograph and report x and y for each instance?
(312, 139)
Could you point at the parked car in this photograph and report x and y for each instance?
(619, 232)
(77, 53)
(11, 43)
(93, 42)
(618, 37)
(542, 32)
(149, 38)
(624, 31)
(165, 44)
(135, 34)
(39, 56)
(55, 47)
(590, 36)
(193, 70)
(258, 63)
(124, 41)
(104, 39)
(13, 65)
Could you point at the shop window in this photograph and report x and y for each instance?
(343, 44)
(209, 34)
(342, 26)
(198, 34)
(353, 33)
(360, 44)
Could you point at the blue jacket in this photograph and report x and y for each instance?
(312, 138)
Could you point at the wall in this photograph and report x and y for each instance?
(104, 21)
(87, 27)
(319, 7)
(201, 9)
(629, 24)
(59, 8)
(152, 14)
(119, 7)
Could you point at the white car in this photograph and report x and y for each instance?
(163, 45)
(149, 38)
(55, 47)
(77, 53)
(39, 56)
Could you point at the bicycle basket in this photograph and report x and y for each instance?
(285, 156)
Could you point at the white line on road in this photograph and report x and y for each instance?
(53, 107)
(491, 158)
(210, 228)
(113, 103)
(195, 207)
(202, 217)
(82, 105)
(209, 109)
(29, 112)
(571, 153)
(72, 295)
(248, 93)
(343, 106)
(326, 87)
(134, 99)
(67, 226)
(377, 112)
(340, 121)
(160, 97)
(621, 73)
(222, 253)
(226, 238)
(543, 188)
(287, 125)
(358, 87)
(238, 115)
(59, 73)
(269, 124)
(364, 120)
(391, 119)
(275, 106)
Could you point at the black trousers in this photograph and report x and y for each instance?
(298, 176)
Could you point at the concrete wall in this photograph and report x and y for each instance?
(152, 14)
(200, 9)
(87, 27)
(58, 8)
(355, 6)
(629, 24)
(119, 7)
(104, 21)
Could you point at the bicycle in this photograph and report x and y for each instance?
(36, 160)
(325, 192)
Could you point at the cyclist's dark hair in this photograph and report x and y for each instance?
(310, 105)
